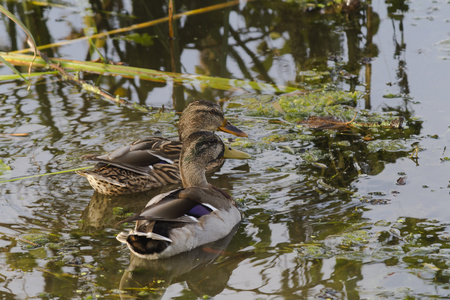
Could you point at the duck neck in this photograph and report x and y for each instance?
(185, 131)
(192, 175)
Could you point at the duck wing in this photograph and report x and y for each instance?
(141, 155)
(181, 206)
(172, 223)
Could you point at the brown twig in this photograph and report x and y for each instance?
(14, 134)
(171, 19)
(20, 239)
(26, 241)
(35, 162)
(353, 119)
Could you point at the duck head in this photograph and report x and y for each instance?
(203, 115)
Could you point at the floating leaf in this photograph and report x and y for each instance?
(4, 168)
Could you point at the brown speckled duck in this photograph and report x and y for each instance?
(199, 213)
(153, 162)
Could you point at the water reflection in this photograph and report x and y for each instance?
(295, 240)
(206, 271)
(100, 214)
(268, 41)
(396, 10)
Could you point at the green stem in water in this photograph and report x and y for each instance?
(39, 175)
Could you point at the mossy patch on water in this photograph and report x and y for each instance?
(321, 103)
(164, 116)
(295, 107)
(287, 110)
(313, 155)
(387, 145)
(122, 212)
(313, 251)
(33, 240)
(392, 96)
(355, 238)
(361, 143)
(242, 143)
(278, 138)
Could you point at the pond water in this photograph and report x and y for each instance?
(327, 214)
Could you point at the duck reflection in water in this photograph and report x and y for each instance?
(104, 211)
(206, 270)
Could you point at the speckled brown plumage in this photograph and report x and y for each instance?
(153, 162)
(112, 180)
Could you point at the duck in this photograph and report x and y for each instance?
(184, 219)
(153, 162)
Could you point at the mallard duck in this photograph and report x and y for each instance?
(186, 218)
(153, 162)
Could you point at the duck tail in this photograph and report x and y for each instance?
(123, 236)
(142, 243)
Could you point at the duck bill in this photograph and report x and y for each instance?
(230, 128)
(235, 154)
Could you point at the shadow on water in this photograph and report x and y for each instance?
(206, 271)
(104, 211)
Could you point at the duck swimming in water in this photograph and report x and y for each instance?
(186, 218)
(153, 162)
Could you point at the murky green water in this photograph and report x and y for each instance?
(374, 224)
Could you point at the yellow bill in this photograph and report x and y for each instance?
(235, 154)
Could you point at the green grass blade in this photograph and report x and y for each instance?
(20, 76)
(10, 66)
(151, 75)
(24, 28)
(18, 22)
(46, 174)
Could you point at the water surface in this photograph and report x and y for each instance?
(349, 231)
